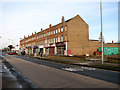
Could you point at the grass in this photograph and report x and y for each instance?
(107, 66)
(95, 65)
(60, 61)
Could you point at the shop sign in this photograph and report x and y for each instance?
(35, 47)
(41, 46)
(69, 52)
(52, 45)
(60, 44)
(46, 45)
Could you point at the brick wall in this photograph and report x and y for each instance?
(78, 35)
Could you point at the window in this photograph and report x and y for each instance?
(65, 38)
(45, 41)
(66, 28)
(56, 30)
(59, 30)
(56, 39)
(61, 38)
(62, 29)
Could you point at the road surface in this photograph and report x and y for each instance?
(49, 77)
(106, 75)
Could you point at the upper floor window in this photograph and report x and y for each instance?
(56, 30)
(61, 38)
(59, 30)
(62, 29)
(65, 38)
(65, 28)
(56, 39)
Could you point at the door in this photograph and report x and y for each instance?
(51, 51)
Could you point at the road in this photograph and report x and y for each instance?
(106, 75)
(53, 75)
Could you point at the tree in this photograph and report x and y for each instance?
(10, 47)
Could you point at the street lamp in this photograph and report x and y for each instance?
(101, 32)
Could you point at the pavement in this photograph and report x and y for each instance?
(8, 80)
(48, 77)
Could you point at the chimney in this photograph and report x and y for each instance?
(35, 32)
(32, 33)
(112, 41)
(28, 35)
(50, 25)
(62, 19)
(41, 29)
(24, 36)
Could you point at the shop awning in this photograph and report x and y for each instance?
(35, 47)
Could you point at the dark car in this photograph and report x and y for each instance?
(23, 53)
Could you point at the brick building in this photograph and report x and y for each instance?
(70, 37)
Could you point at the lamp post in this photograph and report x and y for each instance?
(101, 32)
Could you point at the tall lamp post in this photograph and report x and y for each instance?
(101, 32)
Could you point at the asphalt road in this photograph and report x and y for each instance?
(46, 74)
(106, 75)
(48, 77)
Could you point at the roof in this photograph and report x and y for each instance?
(74, 17)
(68, 20)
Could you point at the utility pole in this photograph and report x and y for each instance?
(101, 32)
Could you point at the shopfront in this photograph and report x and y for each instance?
(46, 49)
(30, 50)
(52, 49)
(60, 48)
(35, 49)
(41, 50)
(26, 50)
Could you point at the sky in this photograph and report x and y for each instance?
(24, 17)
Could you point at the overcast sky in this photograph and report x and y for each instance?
(19, 18)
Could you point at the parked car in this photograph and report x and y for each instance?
(23, 53)
(10, 53)
(14, 52)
